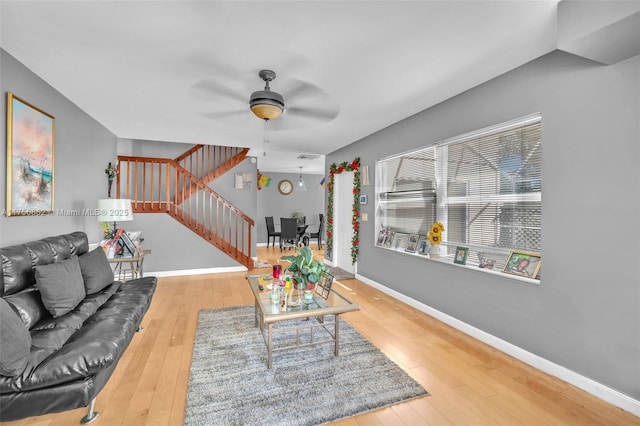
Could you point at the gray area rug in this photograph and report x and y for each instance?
(340, 274)
(229, 383)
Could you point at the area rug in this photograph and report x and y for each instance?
(261, 264)
(341, 274)
(229, 383)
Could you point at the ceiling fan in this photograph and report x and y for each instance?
(303, 104)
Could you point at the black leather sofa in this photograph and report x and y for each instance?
(62, 336)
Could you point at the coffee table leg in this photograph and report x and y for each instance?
(269, 344)
(337, 334)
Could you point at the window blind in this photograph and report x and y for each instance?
(485, 186)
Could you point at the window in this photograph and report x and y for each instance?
(485, 187)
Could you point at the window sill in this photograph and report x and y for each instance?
(448, 259)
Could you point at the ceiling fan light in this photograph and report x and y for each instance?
(266, 105)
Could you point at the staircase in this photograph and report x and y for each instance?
(179, 187)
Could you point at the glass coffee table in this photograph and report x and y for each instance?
(313, 309)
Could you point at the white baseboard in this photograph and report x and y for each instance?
(197, 271)
(597, 389)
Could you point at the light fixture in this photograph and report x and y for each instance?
(301, 186)
(114, 210)
(266, 104)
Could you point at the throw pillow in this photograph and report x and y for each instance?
(16, 341)
(96, 271)
(61, 286)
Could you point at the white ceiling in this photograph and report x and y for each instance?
(182, 71)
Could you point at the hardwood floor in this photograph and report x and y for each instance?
(470, 383)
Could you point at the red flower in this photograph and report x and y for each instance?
(330, 220)
(329, 234)
(340, 169)
(355, 243)
(331, 171)
(354, 165)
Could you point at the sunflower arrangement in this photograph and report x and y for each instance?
(435, 233)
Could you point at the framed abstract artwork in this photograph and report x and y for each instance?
(30, 159)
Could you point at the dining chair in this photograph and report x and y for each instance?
(271, 231)
(289, 236)
(318, 234)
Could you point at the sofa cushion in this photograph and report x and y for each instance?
(28, 304)
(16, 341)
(17, 273)
(61, 285)
(96, 271)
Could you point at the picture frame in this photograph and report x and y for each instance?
(388, 242)
(323, 286)
(30, 159)
(401, 240)
(423, 245)
(523, 264)
(382, 235)
(127, 244)
(460, 256)
(412, 243)
(485, 262)
(363, 199)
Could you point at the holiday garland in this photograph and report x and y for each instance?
(334, 169)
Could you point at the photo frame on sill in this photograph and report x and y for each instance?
(523, 264)
(412, 244)
(423, 245)
(461, 254)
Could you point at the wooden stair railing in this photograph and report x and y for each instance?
(209, 162)
(162, 185)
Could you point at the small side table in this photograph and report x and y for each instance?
(129, 267)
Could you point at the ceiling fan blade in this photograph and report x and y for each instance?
(222, 114)
(321, 114)
(206, 88)
(295, 90)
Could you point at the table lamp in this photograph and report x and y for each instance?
(114, 210)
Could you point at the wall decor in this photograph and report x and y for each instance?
(30, 159)
(285, 187)
(363, 199)
(523, 264)
(460, 257)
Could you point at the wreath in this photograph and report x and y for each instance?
(334, 169)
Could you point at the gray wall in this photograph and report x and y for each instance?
(585, 315)
(83, 147)
(272, 203)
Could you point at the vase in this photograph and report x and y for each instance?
(434, 251)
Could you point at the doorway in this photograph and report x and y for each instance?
(342, 229)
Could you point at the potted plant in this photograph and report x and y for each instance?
(298, 215)
(304, 269)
